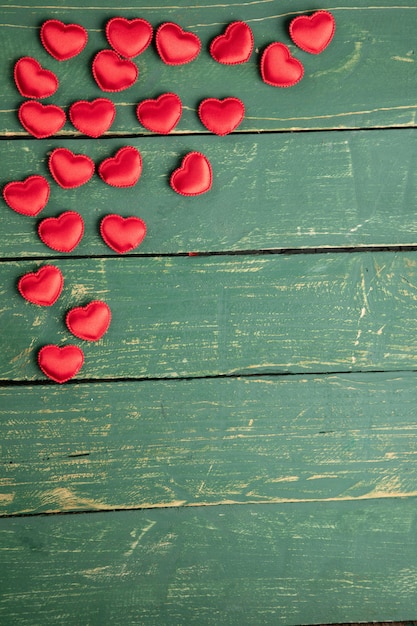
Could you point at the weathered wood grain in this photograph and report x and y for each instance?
(160, 443)
(207, 316)
(364, 79)
(264, 564)
(313, 475)
(269, 191)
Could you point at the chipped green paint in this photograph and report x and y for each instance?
(321, 465)
(206, 316)
(359, 81)
(269, 191)
(206, 442)
(256, 564)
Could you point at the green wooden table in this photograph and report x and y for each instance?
(240, 447)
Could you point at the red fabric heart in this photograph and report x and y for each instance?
(60, 364)
(112, 73)
(313, 33)
(42, 287)
(90, 322)
(27, 197)
(122, 234)
(63, 41)
(62, 233)
(129, 37)
(194, 176)
(221, 117)
(92, 118)
(176, 46)
(235, 46)
(279, 68)
(160, 115)
(70, 170)
(41, 120)
(32, 80)
(122, 170)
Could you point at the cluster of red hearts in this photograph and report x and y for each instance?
(88, 323)
(113, 70)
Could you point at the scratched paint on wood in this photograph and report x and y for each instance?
(199, 442)
(195, 316)
(362, 80)
(269, 191)
(345, 443)
(264, 564)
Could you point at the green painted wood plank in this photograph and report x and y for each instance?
(265, 564)
(364, 78)
(204, 316)
(176, 443)
(269, 191)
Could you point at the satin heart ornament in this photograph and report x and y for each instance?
(63, 41)
(194, 177)
(129, 37)
(41, 120)
(32, 80)
(122, 234)
(234, 46)
(27, 197)
(122, 170)
(112, 73)
(160, 115)
(221, 116)
(42, 287)
(70, 170)
(313, 33)
(279, 68)
(60, 364)
(176, 46)
(92, 118)
(62, 233)
(90, 322)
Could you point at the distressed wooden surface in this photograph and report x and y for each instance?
(198, 442)
(194, 316)
(263, 564)
(269, 191)
(313, 475)
(365, 78)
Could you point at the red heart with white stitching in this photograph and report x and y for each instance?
(279, 68)
(122, 234)
(313, 33)
(32, 80)
(60, 364)
(160, 115)
(129, 37)
(92, 118)
(27, 197)
(62, 233)
(42, 287)
(235, 46)
(70, 170)
(63, 41)
(122, 170)
(41, 120)
(194, 176)
(112, 73)
(89, 322)
(176, 46)
(221, 116)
